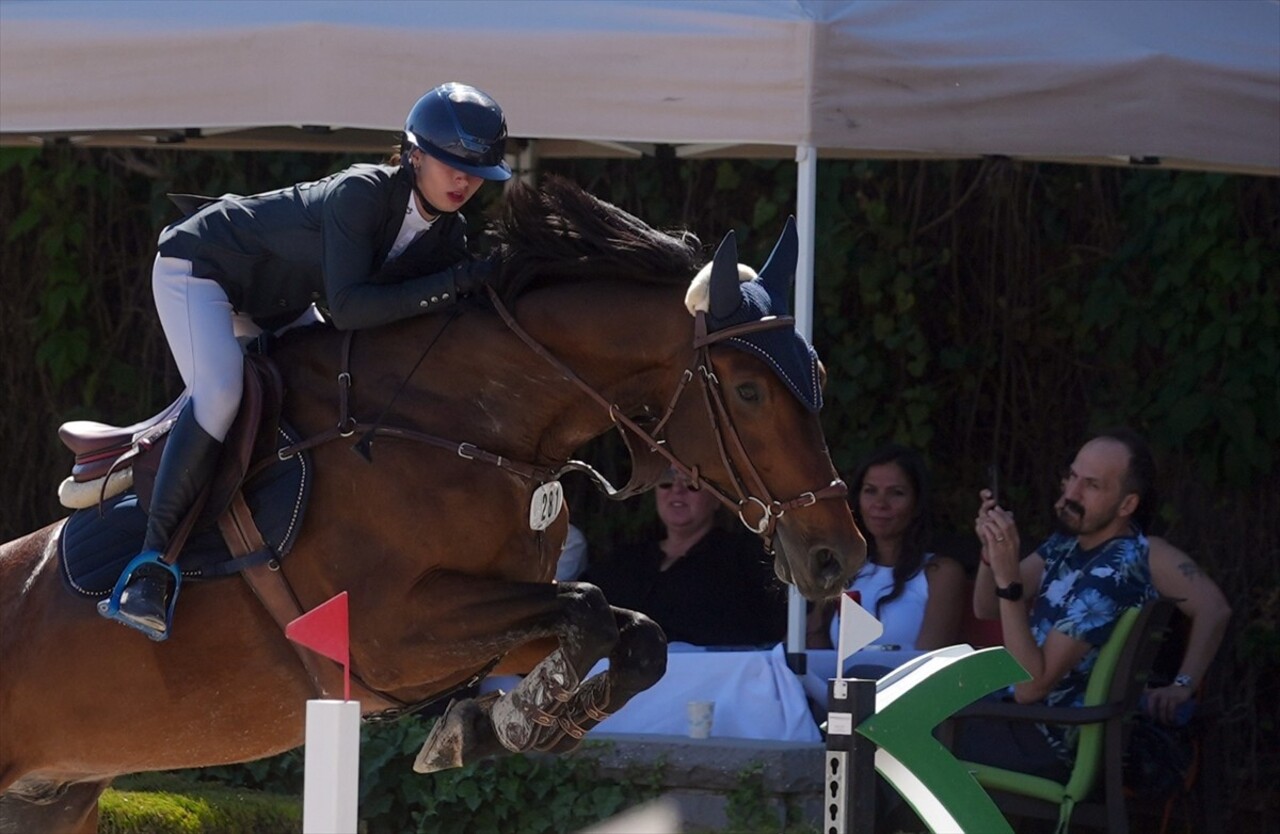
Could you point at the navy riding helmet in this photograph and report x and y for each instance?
(463, 128)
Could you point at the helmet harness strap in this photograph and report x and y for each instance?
(413, 178)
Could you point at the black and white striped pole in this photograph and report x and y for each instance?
(850, 792)
(850, 795)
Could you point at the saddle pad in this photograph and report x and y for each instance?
(97, 543)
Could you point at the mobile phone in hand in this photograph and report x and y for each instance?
(993, 482)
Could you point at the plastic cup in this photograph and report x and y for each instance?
(701, 714)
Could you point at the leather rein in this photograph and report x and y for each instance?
(755, 507)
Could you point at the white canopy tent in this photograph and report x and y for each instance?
(1193, 84)
(1189, 84)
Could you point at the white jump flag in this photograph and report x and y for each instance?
(858, 629)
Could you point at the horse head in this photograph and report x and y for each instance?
(764, 389)
(595, 286)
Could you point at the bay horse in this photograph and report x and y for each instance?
(434, 546)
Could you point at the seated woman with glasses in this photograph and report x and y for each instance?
(704, 579)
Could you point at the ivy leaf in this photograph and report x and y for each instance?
(1187, 415)
(23, 223)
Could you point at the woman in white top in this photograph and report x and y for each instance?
(917, 595)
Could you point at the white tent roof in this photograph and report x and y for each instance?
(1186, 84)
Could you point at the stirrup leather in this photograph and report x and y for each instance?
(110, 608)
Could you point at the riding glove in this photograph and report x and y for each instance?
(472, 276)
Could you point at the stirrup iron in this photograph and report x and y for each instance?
(110, 607)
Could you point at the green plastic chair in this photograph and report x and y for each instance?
(1094, 792)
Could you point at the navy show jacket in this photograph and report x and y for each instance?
(324, 242)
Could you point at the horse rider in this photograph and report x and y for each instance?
(368, 245)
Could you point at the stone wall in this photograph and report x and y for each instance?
(708, 780)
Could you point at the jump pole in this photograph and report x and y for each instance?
(331, 781)
(850, 795)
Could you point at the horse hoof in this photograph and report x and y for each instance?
(443, 748)
(460, 736)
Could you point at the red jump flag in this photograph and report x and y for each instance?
(324, 630)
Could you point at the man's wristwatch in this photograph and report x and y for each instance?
(1012, 593)
(1181, 680)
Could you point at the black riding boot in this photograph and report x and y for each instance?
(186, 465)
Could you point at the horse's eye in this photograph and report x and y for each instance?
(748, 393)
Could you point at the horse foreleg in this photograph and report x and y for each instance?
(552, 713)
(638, 661)
(510, 722)
(530, 710)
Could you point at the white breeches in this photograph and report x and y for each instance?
(198, 323)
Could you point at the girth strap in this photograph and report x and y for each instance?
(245, 541)
(272, 589)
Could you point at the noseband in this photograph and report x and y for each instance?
(755, 506)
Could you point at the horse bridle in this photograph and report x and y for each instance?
(754, 500)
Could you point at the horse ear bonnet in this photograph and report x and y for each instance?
(735, 302)
(726, 298)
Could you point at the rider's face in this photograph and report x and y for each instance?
(447, 189)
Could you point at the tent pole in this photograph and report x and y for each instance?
(524, 163)
(806, 207)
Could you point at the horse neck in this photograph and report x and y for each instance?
(629, 343)
(479, 383)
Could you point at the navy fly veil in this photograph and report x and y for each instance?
(735, 302)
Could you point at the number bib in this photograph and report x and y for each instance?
(548, 501)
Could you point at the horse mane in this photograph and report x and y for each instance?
(558, 232)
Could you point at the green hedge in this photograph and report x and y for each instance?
(166, 804)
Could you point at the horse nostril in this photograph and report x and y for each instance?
(827, 567)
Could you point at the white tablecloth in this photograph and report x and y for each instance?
(755, 694)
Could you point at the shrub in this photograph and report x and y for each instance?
(167, 804)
